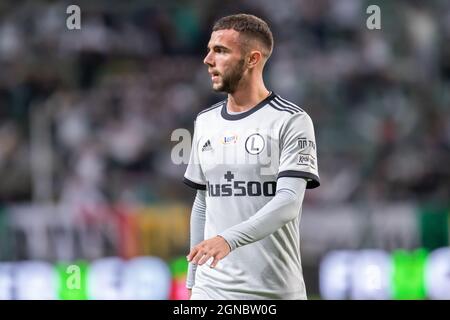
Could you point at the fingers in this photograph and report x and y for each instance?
(203, 254)
(214, 263)
(200, 254)
(217, 258)
(196, 254)
(204, 258)
(192, 253)
(205, 250)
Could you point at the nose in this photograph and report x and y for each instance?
(208, 59)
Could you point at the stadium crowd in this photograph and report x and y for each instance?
(87, 115)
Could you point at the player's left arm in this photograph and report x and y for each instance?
(297, 171)
(284, 207)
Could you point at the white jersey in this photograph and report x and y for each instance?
(237, 159)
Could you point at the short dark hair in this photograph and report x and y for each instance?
(249, 26)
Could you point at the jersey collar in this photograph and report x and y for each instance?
(245, 114)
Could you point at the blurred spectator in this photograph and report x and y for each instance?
(119, 87)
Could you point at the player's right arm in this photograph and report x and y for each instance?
(195, 178)
(197, 227)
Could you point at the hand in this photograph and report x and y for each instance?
(215, 247)
(189, 294)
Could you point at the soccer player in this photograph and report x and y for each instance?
(253, 155)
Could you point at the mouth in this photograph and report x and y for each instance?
(214, 75)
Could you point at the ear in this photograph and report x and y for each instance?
(253, 58)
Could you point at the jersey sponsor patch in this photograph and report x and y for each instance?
(229, 139)
(306, 160)
(240, 188)
(304, 143)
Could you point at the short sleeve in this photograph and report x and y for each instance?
(194, 176)
(298, 155)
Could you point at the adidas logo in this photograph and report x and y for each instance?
(207, 146)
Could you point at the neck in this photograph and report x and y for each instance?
(247, 95)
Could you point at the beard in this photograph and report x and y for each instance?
(231, 79)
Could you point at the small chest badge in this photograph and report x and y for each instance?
(229, 139)
(254, 144)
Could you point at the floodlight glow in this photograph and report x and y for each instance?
(6, 281)
(370, 275)
(146, 278)
(35, 281)
(103, 279)
(437, 274)
(334, 275)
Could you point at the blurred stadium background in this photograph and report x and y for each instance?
(87, 185)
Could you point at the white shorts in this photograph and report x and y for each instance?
(199, 294)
